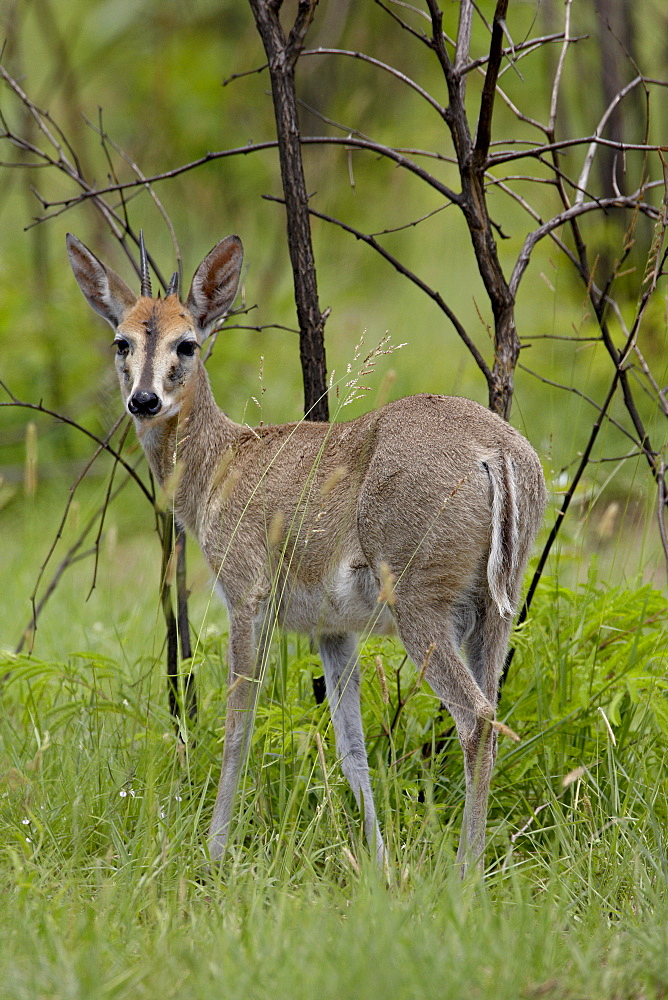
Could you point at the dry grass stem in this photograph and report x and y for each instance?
(387, 582)
(382, 679)
(166, 494)
(607, 726)
(30, 468)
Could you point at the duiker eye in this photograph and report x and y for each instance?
(187, 348)
(122, 347)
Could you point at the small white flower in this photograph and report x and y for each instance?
(123, 793)
(25, 821)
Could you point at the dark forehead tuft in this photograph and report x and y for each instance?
(152, 322)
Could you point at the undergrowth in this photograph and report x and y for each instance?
(104, 811)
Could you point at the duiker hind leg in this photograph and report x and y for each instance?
(430, 633)
(486, 647)
(340, 663)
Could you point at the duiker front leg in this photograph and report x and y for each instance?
(341, 666)
(245, 654)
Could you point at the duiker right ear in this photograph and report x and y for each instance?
(106, 292)
(215, 283)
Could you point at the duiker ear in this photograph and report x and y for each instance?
(215, 283)
(106, 292)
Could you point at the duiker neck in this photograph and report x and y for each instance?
(184, 451)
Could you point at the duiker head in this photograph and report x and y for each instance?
(157, 340)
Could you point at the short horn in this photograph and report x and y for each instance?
(143, 267)
(173, 286)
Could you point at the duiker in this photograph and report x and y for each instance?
(417, 518)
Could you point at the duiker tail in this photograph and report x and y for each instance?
(506, 549)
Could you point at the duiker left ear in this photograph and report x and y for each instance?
(106, 292)
(215, 283)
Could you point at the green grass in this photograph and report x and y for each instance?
(103, 813)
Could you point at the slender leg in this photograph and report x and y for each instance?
(487, 644)
(471, 709)
(244, 662)
(479, 748)
(486, 649)
(340, 663)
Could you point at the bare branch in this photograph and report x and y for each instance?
(248, 72)
(560, 69)
(106, 501)
(102, 442)
(589, 159)
(534, 215)
(521, 50)
(148, 187)
(321, 51)
(305, 12)
(662, 505)
(354, 142)
(70, 168)
(561, 514)
(489, 89)
(550, 147)
(413, 224)
(438, 41)
(463, 37)
(567, 216)
(581, 395)
(404, 24)
(72, 556)
(402, 269)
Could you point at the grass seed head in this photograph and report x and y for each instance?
(388, 579)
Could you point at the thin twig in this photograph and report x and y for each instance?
(105, 507)
(574, 212)
(352, 142)
(385, 67)
(402, 269)
(589, 158)
(582, 395)
(61, 418)
(495, 159)
(72, 556)
(662, 505)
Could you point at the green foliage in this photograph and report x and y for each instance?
(103, 812)
(592, 715)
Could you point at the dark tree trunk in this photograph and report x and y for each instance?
(282, 55)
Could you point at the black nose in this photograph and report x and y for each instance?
(144, 404)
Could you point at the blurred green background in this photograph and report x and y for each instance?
(153, 74)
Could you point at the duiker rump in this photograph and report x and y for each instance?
(417, 518)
